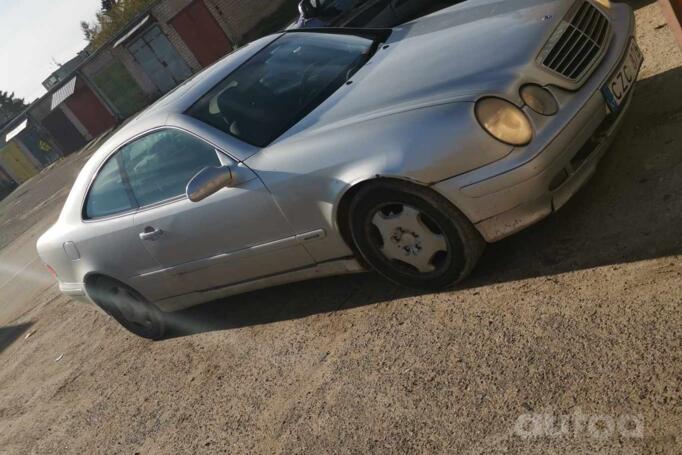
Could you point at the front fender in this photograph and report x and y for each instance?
(309, 172)
(434, 143)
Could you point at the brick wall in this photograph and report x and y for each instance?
(98, 63)
(163, 12)
(241, 16)
(217, 9)
(237, 18)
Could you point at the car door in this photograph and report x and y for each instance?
(236, 235)
(109, 241)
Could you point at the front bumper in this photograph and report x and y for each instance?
(556, 184)
(533, 181)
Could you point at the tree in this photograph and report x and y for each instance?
(108, 5)
(114, 15)
(90, 31)
(10, 107)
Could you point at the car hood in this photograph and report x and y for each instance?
(457, 54)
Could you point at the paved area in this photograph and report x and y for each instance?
(24, 216)
(575, 321)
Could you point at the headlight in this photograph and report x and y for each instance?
(539, 99)
(504, 121)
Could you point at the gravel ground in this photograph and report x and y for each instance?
(578, 317)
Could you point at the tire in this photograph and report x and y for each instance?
(413, 236)
(129, 308)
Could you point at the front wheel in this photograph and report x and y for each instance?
(413, 236)
(129, 308)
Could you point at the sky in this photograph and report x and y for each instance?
(32, 34)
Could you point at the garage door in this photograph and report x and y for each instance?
(159, 59)
(16, 163)
(89, 109)
(201, 32)
(64, 132)
(39, 146)
(119, 87)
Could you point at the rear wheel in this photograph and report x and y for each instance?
(413, 236)
(129, 308)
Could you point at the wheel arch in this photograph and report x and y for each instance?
(472, 243)
(342, 211)
(91, 278)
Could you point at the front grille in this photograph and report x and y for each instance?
(578, 42)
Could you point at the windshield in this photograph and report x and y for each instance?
(281, 84)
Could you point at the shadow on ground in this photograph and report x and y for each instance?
(293, 301)
(637, 4)
(630, 211)
(10, 333)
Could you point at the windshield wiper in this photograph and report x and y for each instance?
(363, 59)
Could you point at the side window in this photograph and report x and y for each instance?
(108, 194)
(160, 165)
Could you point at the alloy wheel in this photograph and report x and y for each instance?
(406, 235)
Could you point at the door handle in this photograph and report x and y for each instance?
(150, 233)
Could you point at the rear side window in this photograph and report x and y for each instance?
(108, 194)
(159, 166)
(152, 169)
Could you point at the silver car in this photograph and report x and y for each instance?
(319, 152)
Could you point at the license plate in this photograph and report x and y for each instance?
(617, 88)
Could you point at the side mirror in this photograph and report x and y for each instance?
(208, 181)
